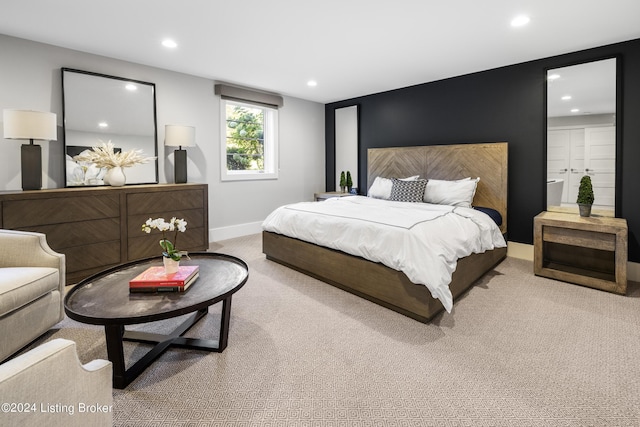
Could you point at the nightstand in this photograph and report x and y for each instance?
(588, 251)
(329, 194)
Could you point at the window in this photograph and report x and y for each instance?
(249, 141)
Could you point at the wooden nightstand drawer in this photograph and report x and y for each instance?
(582, 238)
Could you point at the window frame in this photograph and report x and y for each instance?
(270, 137)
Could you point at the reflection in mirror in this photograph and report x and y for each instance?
(581, 135)
(346, 137)
(99, 109)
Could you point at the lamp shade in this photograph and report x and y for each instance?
(179, 136)
(25, 124)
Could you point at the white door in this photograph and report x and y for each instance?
(558, 155)
(576, 164)
(600, 164)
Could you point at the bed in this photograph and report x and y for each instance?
(387, 286)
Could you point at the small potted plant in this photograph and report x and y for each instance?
(171, 256)
(343, 181)
(585, 196)
(349, 182)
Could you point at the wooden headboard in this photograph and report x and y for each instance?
(488, 161)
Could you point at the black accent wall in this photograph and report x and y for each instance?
(503, 104)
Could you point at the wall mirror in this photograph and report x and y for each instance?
(581, 134)
(99, 108)
(346, 140)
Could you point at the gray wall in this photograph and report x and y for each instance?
(30, 79)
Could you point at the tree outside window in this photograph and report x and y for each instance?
(245, 137)
(249, 144)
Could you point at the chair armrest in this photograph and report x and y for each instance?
(51, 374)
(29, 249)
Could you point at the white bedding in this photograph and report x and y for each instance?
(422, 240)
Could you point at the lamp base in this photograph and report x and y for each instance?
(31, 158)
(180, 166)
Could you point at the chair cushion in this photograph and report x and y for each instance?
(21, 285)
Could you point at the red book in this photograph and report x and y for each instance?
(154, 279)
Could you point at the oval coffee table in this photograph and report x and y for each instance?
(104, 299)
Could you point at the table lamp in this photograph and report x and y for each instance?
(179, 136)
(25, 124)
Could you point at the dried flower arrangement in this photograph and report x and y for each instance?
(104, 156)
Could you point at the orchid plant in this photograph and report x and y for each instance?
(174, 225)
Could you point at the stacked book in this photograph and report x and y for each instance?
(154, 279)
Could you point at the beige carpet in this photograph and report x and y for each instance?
(517, 350)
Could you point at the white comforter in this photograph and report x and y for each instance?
(422, 240)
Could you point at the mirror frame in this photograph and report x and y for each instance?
(64, 120)
(618, 122)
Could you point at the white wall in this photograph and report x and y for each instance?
(30, 79)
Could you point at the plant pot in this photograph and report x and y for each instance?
(585, 210)
(170, 265)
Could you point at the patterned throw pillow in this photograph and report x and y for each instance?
(408, 191)
(381, 187)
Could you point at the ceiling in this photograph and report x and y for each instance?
(350, 47)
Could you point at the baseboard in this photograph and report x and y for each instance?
(524, 251)
(520, 250)
(233, 231)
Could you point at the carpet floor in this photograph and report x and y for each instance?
(517, 350)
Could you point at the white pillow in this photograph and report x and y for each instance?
(453, 193)
(381, 187)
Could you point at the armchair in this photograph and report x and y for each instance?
(47, 386)
(32, 279)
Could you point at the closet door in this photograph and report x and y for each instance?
(566, 160)
(576, 164)
(600, 163)
(558, 156)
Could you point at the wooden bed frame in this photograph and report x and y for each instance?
(383, 285)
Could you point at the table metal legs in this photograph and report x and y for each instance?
(116, 334)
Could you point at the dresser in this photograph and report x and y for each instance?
(589, 251)
(99, 227)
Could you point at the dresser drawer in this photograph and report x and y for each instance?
(72, 234)
(152, 203)
(58, 210)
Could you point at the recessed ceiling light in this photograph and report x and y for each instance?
(169, 43)
(520, 21)
(312, 83)
(103, 125)
(553, 77)
(131, 87)
(575, 110)
(566, 97)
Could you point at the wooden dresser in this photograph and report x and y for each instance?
(98, 227)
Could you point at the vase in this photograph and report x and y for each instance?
(170, 265)
(115, 177)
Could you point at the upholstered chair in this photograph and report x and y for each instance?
(48, 386)
(32, 279)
